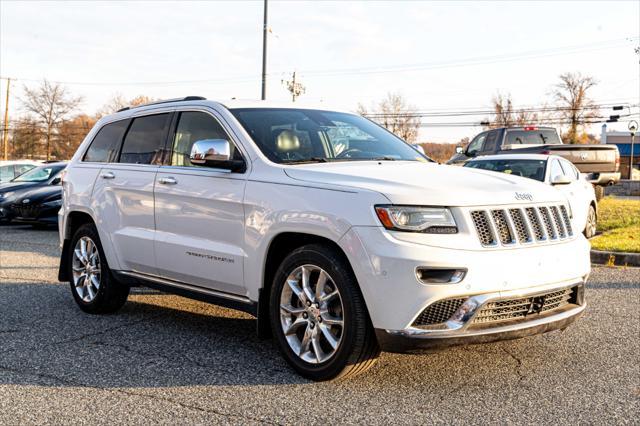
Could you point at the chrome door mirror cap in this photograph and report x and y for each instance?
(207, 151)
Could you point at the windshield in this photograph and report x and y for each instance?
(532, 137)
(39, 174)
(299, 135)
(532, 169)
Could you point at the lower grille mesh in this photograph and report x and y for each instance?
(513, 309)
(438, 312)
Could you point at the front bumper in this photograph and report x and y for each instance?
(466, 331)
(36, 214)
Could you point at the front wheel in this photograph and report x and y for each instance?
(590, 227)
(318, 315)
(92, 285)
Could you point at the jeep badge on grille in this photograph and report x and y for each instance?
(521, 196)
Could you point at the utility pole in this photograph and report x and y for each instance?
(633, 126)
(294, 87)
(264, 53)
(5, 135)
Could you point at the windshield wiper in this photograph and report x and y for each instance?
(306, 160)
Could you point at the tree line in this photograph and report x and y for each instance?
(53, 127)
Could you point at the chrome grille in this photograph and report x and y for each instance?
(514, 309)
(534, 219)
(500, 219)
(481, 221)
(522, 225)
(546, 219)
(567, 222)
(438, 312)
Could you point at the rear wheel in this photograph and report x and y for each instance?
(590, 227)
(318, 316)
(92, 285)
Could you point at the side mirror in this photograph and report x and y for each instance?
(560, 180)
(215, 153)
(56, 180)
(459, 150)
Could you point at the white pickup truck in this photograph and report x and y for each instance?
(338, 236)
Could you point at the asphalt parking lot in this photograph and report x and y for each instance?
(166, 359)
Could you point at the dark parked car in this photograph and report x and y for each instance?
(38, 206)
(45, 176)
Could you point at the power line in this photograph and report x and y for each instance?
(479, 60)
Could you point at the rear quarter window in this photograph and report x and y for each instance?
(104, 147)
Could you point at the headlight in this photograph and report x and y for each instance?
(431, 220)
(5, 195)
(54, 203)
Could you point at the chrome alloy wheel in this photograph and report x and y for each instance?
(311, 314)
(86, 269)
(591, 223)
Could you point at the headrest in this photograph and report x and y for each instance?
(287, 141)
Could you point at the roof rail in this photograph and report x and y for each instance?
(166, 101)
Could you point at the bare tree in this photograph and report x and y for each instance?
(573, 102)
(505, 115)
(50, 103)
(117, 102)
(26, 138)
(396, 115)
(70, 133)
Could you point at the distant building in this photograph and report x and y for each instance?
(623, 141)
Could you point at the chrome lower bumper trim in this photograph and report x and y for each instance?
(416, 340)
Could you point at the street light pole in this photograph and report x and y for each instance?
(264, 53)
(633, 126)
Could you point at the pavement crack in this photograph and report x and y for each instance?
(518, 361)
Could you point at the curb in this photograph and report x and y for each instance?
(612, 258)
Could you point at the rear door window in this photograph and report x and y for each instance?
(145, 140)
(104, 147)
(490, 142)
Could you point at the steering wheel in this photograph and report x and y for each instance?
(347, 153)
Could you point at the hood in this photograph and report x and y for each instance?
(15, 186)
(409, 182)
(40, 195)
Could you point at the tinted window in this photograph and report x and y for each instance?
(299, 135)
(22, 168)
(532, 169)
(144, 143)
(6, 173)
(476, 144)
(104, 147)
(39, 174)
(490, 142)
(532, 137)
(195, 126)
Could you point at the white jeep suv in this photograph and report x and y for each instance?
(338, 236)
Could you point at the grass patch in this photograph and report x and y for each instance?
(619, 222)
(614, 213)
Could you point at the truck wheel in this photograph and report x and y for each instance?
(92, 285)
(319, 317)
(590, 227)
(599, 189)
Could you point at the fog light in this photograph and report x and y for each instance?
(465, 311)
(440, 276)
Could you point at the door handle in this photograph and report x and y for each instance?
(107, 175)
(167, 181)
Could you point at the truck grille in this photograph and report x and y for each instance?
(522, 225)
(513, 309)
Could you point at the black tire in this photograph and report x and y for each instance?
(599, 189)
(111, 294)
(358, 348)
(591, 225)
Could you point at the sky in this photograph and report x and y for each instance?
(441, 56)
